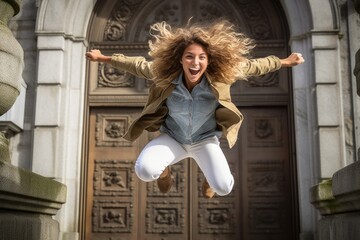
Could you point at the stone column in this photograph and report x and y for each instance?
(357, 56)
(11, 58)
(27, 200)
(338, 199)
(357, 60)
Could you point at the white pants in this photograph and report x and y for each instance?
(164, 151)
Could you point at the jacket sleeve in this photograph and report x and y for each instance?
(137, 66)
(260, 66)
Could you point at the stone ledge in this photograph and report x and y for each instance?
(26, 191)
(322, 198)
(340, 194)
(347, 180)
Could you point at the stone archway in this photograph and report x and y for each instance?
(64, 39)
(261, 204)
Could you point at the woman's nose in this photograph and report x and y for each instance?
(196, 61)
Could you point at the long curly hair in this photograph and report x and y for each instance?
(226, 49)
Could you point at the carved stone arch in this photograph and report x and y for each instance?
(325, 14)
(167, 10)
(127, 21)
(273, 20)
(212, 9)
(99, 20)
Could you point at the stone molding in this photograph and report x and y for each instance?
(340, 194)
(22, 190)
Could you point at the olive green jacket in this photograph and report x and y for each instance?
(228, 117)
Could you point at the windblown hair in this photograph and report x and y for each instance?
(226, 49)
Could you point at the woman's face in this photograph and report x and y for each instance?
(194, 61)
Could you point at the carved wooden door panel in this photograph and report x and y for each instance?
(112, 189)
(264, 183)
(117, 205)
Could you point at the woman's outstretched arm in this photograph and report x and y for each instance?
(292, 60)
(95, 55)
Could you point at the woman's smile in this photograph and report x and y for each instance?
(194, 62)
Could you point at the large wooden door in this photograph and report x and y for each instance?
(263, 169)
(117, 205)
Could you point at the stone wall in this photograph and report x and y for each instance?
(338, 199)
(27, 200)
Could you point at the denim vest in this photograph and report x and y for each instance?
(191, 116)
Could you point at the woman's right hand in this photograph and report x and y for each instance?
(95, 55)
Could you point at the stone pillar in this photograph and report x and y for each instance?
(357, 55)
(11, 57)
(338, 201)
(357, 59)
(357, 71)
(27, 200)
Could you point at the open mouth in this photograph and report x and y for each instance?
(194, 71)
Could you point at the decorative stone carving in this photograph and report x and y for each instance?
(216, 217)
(165, 216)
(265, 178)
(115, 29)
(256, 19)
(265, 131)
(114, 78)
(263, 128)
(110, 128)
(168, 10)
(208, 11)
(112, 216)
(113, 178)
(268, 80)
(114, 130)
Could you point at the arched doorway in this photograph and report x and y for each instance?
(119, 206)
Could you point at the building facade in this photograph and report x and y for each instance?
(301, 124)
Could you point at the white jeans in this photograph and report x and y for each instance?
(164, 151)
